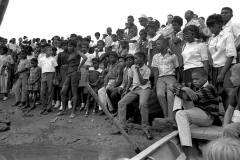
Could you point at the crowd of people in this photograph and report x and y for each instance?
(192, 70)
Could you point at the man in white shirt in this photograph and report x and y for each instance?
(13, 46)
(230, 26)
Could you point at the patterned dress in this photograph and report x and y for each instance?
(35, 73)
(5, 60)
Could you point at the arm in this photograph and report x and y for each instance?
(177, 70)
(130, 80)
(141, 79)
(228, 115)
(175, 39)
(120, 77)
(155, 73)
(84, 59)
(225, 69)
(206, 66)
(132, 32)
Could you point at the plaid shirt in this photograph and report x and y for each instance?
(166, 64)
(207, 96)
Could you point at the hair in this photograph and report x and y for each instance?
(49, 41)
(126, 44)
(163, 25)
(85, 44)
(191, 28)
(114, 35)
(152, 26)
(97, 34)
(222, 149)
(96, 60)
(170, 15)
(200, 72)
(201, 18)
(236, 68)
(131, 17)
(228, 8)
(101, 41)
(191, 12)
(34, 60)
(79, 38)
(4, 48)
(56, 37)
(73, 35)
(143, 31)
(114, 54)
(165, 40)
(43, 40)
(215, 18)
(141, 55)
(178, 20)
(47, 47)
(156, 23)
(120, 31)
(195, 15)
(73, 43)
(54, 49)
(23, 51)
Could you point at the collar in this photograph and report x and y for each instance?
(143, 67)
(229, 23)
(207, 83)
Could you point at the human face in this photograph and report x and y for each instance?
(143, 36)
(112, 59)
(100, 46)
(151, 32)
(129, 62)
(38, 48)
(226, 15)
(106, 61)
(23, 55)
(109, 31)
(97, 36)
(123, 45)
(33, 64)
(114, 38)
(189, 36)
(95, 65)
(235, 79)
(84, 49)
(20, 40)
(49, 52)
(201, 21)
(130, 21)
(198, 80)
(195, 17)
(78, 42)
(120, 36)
(176, 26)
(143, 22)
(2, 52)
(71, 48)
(188, 15)
(169, 19)
(65, 47)
(161, 45)
(137, 60)
(121, 61)
(215, 28)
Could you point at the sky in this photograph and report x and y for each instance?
(47, 18)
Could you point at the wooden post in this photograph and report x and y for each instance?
(3, 8)
(104, 108)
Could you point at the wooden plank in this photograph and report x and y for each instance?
(182, 157)
(174, 148)
(207, 133)
(154, 147)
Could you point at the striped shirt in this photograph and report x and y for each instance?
(207, 100)
(166, 64)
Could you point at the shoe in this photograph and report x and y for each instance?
(21, 104)
(94, 112)
(148, 134)
(118, 132)
(16, 104)
(69, 104)
(57, 105)
(101, 113)
(5, 98)
(61, 107)
(86, 114)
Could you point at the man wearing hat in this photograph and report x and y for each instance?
(143, 20)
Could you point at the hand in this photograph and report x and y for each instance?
(220, 78)
(192, 94)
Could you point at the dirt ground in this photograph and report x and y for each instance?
(82, 138)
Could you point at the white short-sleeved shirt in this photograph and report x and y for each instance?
(48, 64)
(194, 54)
(166, 64)
(145, 72)
(115, 46)
(234, 29)
(98, 70)
(134, 47)
(41, 55)
(221, 47)
(192, 22)
(89, 59)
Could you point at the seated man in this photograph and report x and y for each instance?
(232, 130)
(140, 87)
(204, 109)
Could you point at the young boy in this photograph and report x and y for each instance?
(202, 112)
(48, 65)
(138, 86)
(165, 66)
(22, 68)
(115, 43)
(109, 79)
(232, 130)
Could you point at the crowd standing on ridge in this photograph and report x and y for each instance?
(192, 68)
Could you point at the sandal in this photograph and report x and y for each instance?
(73, 115)
(61, 113)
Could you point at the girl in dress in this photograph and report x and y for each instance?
(5, 64)
(33, 84)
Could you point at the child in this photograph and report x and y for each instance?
(204, 108)
(144, 41)
(123, 50)
(232, 129)
(22, 69)
(114, 44)
(48, 64)
(222, 149)
(138, 86)
(93, 78)
(166, 72)
(33, 83)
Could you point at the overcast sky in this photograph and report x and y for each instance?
(46, 18)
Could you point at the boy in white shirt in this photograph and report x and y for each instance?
(48, 64)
